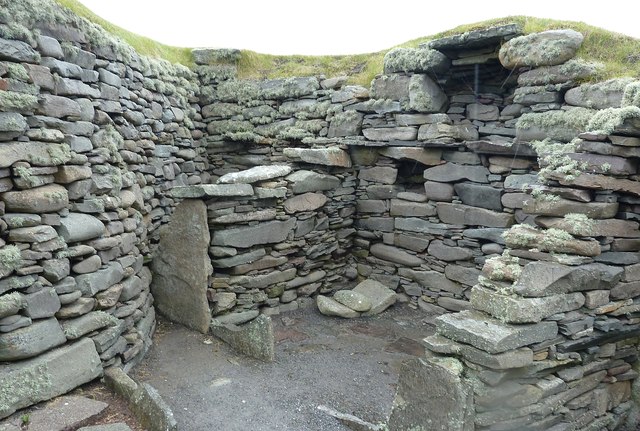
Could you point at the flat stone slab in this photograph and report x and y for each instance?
(502, 361)
(450, 172)
(31, 340)
(395, 255)
(514, 309)
(262, 233)
(211, 190)
(491, 36)
(491, 335)
(79, 227)
(321, 156)
(120, 426)
(255, 174)
(51, 374)
(254, 339)
(64, 412)
(310, 181)
(381, 296)
(331, 307)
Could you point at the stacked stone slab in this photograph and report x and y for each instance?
(550, 338)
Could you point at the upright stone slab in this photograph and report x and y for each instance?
(181, 267)
(432, 395)
(254, 339)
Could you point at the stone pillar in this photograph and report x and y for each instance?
(181, 267)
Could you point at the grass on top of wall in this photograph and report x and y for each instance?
(619, 54)
(143, 45)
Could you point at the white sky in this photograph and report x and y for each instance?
(335, 26)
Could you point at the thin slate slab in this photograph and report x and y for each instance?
(211, 190)
(255, 174)
(492, 335)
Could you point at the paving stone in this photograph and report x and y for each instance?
(65, 412)
(491, 335)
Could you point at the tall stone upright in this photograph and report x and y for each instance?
(181, 267)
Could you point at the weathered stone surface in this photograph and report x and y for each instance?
(41, 304)
(414, 224)
(467, 215)
(432, 395)
(40, 233)
(380, 296)
(426, 156)
(435, 191)
(600, 95)
(331, 156)
(15, 50)
(386, 134)
(347, 123)
(425, 95)
(239, 259)
(260, 215)
(452, 172)
(600, 182)
(182, 266)
(608, 227)
(49, 198)
(379, 174)
(77, 227)
(66, 412)
(355, 301)
(447, 253)
(331, 307)
(404, 208)
(263, 280)
(478, 111)
(572, 70)
(255, 174)
(12, 125)
(625, 290)
(420, 60)
(70, 173)
(31, 341)
(502, 361)
(304, 202)
(479, 196)
(10, 304)
(95, 282)
(76, 328)
(262, 233)
(491, 335)
(395, 255)
(523, 310)
(216, 190)
(526, 237)
(255, 339)
(47, 376)
(58, 106)
(237, 318)
(371, 206)
(77, 308)
(432, 280)
(152, 411)
(547, 48)
(310, 181)
(562, 207)
(607, 149)
(489, 234)
(442, 131)
(547, 278)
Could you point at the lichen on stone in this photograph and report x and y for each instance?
(607, 120)
(631, 94)
(581, 224)
(13, 101)
(10, 259)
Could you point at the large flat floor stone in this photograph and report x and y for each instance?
(64, 413)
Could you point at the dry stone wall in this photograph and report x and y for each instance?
(92, 136)
(475, 176)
